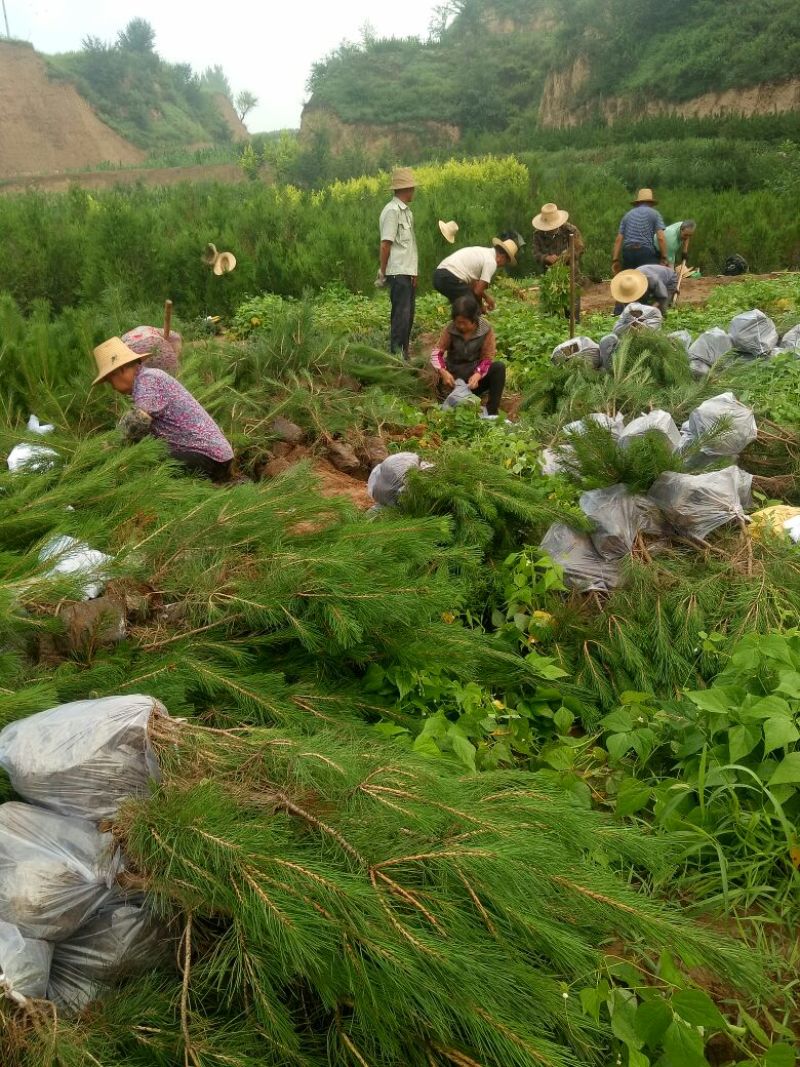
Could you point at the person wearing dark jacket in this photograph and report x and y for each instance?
(466, 350)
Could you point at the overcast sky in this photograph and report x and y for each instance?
(268, 48)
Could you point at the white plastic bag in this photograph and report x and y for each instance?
(54, 871)
(638, 317)
(731, 442)
(614, 423)
(34, 426)
(791, 339)
(459, 394)
(121, 941)
(608, 345)
(618, 517)
(24, 965)
(387, 480)
(660, 421)
(84, 758)
(683, 336)
(708, 348)
(31, 458)
(577, 348)
(753, 334)
(74, 557)
(584, 568)
(696, 504)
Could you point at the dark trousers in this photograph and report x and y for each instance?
(449, 285)
(636, 255)
(196, 463)
(403, 295)
(492, 383)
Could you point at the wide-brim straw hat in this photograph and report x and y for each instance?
(111, 355)
(210, 254)
(448, 230)
(224, 263)
(403, 178)
(509, 247)
(645, 196)
(549, 218)
(628, 286)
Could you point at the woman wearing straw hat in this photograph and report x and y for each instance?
(165, 409)
(470, 270)
(649, 284)
(641, 231)
(551, 233)
(398, 259)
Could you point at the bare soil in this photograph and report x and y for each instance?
(46, 125)
(595, 296)
(106, 179)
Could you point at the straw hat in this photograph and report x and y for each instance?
(448, 230)
(403, 178)
(628, 286)
(111, 355)
(509, 247)
(549, 218)
(645, 196)
(220, 262)
(224, 263)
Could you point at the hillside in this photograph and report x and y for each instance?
(518, 65)
(45, 126)
(106, 105)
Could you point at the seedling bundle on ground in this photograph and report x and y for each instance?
(419, 802)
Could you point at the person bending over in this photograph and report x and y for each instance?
(466, 350)
(470, 271)
(163, 408)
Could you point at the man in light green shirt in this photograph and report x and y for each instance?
(399, 264)
(677, 237)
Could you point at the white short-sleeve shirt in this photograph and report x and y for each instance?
(469, 265)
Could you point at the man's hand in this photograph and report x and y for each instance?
(473, 382)
(448, 379)
(414, 281)
(380, 279)
(550, 260)
(134, 425)
(488, 302)
(616, 267)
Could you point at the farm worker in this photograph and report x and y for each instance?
(641, 235)
(677, 237)
(150, 343)
(164, 408)
(470, 270)
(398, 259)
(551, 232)
(466, 350)
(649, 284)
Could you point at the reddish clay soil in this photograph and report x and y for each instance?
(596, 297)
(335, 483)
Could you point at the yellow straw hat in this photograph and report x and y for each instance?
(224, 263)
(111, 355)
(403, 178)
(549, 218)
(448, 230)
(645, 196)
(509, 247)
(628, 286)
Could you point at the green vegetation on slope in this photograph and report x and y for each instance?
(488, 67)
(152, 103)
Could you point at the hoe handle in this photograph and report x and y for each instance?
(167, 318)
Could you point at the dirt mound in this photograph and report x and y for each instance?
(106, 179)
(239, 131)
(47, 126)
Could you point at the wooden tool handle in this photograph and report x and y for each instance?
(572, 285)
(167, 318)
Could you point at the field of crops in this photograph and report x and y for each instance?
(428, 805)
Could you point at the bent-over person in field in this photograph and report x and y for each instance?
(164, 408)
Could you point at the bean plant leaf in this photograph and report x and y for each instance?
(780, 1055)
(632, 796)
(683, 1046)
(779, 732)
(788, 770)
(742, 740)
(652, 1020)
(696, 1007)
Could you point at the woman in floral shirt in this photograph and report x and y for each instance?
(165, 409)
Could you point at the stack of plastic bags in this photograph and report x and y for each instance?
(687, 506)
(68, 930)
